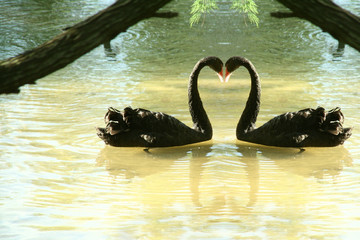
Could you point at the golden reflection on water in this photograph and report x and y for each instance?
(245, 188)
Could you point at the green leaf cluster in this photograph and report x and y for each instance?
(248, 7)
(201, 7)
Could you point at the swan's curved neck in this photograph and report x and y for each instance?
(248, 117)
(197, 111)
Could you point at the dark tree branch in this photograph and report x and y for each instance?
(165, 14)
(340, 23)
(74, 42)
(283, 14)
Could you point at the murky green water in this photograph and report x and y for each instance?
(59, 181)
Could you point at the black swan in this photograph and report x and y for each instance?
(143, 128)
(305, 128)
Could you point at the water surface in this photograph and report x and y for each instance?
(59, 181)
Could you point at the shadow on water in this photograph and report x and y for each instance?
(225, 199)
(238, 170)
(253, 159)
(137, 162)
(313, 162)
(134, 162)
(318, 163)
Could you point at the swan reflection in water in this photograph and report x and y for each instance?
(134, 162)
(218, 182)
(315, 162)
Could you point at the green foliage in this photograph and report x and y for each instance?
(201, 7)
(248, 7)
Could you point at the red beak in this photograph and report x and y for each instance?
(220, 74)
(227, 75)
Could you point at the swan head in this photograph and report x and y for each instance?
(232, 64)
(215, 64)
